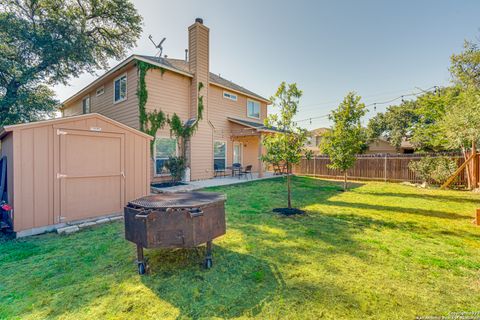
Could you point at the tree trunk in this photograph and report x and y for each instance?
(474, 166)
(467, 170)
(289, 192)
(345, 180)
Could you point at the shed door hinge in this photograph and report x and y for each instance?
(61, 176)
(60, 132)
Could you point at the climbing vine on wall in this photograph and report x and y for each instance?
(184, 131)
(152, 121)
(142, 95)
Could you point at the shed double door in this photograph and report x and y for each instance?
(91, 174)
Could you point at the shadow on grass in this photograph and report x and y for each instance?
(396, 209)
(425, 196)
(237, 284)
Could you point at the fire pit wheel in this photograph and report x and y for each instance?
(141, 268)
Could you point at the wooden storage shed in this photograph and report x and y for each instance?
(72, 169)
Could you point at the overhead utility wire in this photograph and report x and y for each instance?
(374, 104)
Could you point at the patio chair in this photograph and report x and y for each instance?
(246, 172)
(236, 168)
(277, 170)
(218, 171)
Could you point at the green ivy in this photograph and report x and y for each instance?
(142, 94)
(180, 130)
(151, 121)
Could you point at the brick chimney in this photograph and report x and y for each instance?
(199, 60)
(200, 155)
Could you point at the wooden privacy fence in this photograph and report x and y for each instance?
(381, 167)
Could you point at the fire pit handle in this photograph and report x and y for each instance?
(195, 212)
(141, 216)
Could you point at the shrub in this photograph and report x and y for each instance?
(436, 169)
(176, 166)
(443, 169)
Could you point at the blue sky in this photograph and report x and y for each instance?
(380, 49)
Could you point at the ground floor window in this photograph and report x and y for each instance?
(220, 155)
(164, 148)
(237, 152)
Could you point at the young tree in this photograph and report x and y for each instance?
(45, 42)
(347, 136)
(286, 146)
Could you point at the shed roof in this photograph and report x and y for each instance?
(6, 129)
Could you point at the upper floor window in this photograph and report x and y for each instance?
(100, 91)
(228, 95)
(86, 104)
(120, 89)
(165, 147)
(253, 109)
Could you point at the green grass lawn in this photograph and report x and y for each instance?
(378, 251)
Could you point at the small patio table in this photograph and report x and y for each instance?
(235, 170)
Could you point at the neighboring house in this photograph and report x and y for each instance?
(380, 145)
(233, 116)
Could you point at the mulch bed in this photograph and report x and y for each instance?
(288, 211)
(167, 184)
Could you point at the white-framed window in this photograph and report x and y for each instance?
(253, 109)
(219, 155)
(86, 105)
(164, 147)
(120, 88)
(100, 91)
(229, 95)
(237, 152)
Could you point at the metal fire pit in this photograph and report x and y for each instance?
(175, 220)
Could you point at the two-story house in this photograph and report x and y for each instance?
(232, 124)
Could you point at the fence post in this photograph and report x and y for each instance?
(385, 168)
(314, 165)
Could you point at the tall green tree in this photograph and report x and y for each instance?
(46, 42)
(347, 137)
(426, 132)
(288, 145)
(461, 127)
(394, 124)
(417, 121)
(465, 66)
(461, 123)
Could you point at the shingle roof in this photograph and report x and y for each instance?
(183, 66)
(254, 125)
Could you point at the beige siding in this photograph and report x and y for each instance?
(125, 112)
(380, 146)
(35, 163)
(220, 109)
(169, 92)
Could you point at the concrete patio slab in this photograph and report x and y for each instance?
(218, 181)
